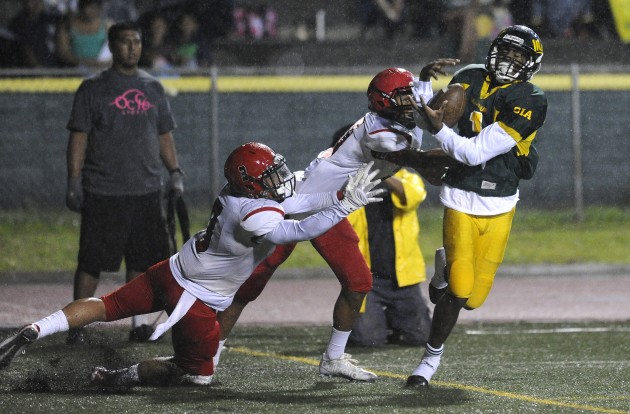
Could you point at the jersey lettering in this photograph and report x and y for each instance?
(524, 112)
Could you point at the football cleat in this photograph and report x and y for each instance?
(16, 344)
(102, 376)
(416, 381)
(117, 380)
(344, 367)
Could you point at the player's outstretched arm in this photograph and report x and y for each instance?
(358, 192)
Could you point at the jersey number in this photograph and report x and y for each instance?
(204, 242)
(476, 119)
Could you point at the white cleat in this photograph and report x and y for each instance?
(344, 367)
(16, 344)
(421, 376)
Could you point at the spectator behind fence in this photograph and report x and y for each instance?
(35, 31)
(120, 10)
(182, 41)
(387, 15)
(255, 22)
(120, 136)
(11, 54)
(155, 51)
(82, 39)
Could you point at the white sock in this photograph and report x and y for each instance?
(215, 358)
(139, 320)
(337, 344)
(56, 322)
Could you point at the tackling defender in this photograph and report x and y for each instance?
(495, 149)
(247, 221)
(389, 126)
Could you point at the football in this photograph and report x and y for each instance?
(455, 95)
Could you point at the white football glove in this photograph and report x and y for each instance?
(358, 191)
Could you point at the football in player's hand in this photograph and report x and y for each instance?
(455, 95)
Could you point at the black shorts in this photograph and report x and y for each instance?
(113, 227)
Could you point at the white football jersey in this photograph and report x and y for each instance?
(244, 231)
(330, 170)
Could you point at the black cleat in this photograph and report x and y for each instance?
(141, 333)
(416, 381)
(435, 294)
(16, 343)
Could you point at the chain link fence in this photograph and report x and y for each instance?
(583, 159)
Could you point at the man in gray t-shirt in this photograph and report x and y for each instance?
(120, 136)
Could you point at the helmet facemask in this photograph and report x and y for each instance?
(277, 180)
(404, 108)
(400, 108)
(508, 69)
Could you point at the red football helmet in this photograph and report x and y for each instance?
(389, 95)
(254, 170)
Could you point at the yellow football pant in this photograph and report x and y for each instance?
(475, 246)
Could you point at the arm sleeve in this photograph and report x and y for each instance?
(291, 231)
(491, 141)
(305, 203)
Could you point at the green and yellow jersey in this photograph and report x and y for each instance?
(520, 109)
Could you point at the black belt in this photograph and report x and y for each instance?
(378, 275)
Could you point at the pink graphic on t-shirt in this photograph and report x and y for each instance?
(132, 102)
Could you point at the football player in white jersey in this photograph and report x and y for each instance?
(247, 221)
(389, 126)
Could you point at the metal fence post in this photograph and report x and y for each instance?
(215, 167)
(577, 143)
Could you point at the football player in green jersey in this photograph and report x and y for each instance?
(494, 147)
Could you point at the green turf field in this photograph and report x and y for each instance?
(538, 237)
(487, 368)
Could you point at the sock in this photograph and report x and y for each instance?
(337, 344)
(56, 322)
(215, 358)
(429, 351)
(139, 320)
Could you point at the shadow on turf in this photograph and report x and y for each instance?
(324, 394)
